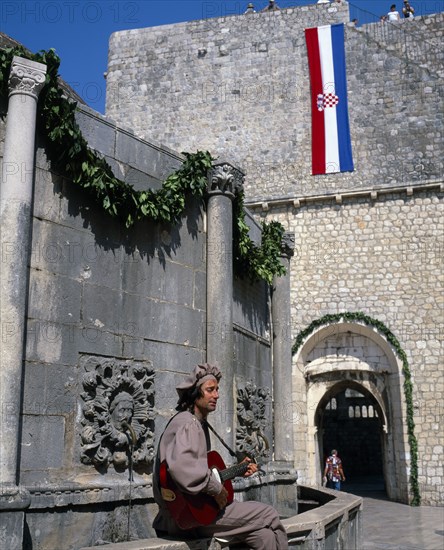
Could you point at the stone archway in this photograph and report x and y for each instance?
(351, 355)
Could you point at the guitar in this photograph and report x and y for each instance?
(191, 511)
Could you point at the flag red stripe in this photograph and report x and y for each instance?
(317, 117)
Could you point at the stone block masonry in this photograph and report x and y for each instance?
(383, 258)
(228, 84)
(111, 313)
(370, 240)
(239, 87)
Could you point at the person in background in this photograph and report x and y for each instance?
(333, 472)
(393, 15)
(271, 6)
(250, 9)
(407, 10)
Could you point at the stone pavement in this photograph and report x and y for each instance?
(393, 526)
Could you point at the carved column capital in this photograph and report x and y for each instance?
(26, 77)
(287, 248)
(225, 179)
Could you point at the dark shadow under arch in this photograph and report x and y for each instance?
(350, 420)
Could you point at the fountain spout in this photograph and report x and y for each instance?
(128, 428)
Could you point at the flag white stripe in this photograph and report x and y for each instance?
(328, 80)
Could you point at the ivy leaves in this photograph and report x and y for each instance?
(258, 262)
(71, 157)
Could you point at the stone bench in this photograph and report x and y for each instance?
(335, 523)
(160, 544)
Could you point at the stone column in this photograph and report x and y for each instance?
(282, 359)
(16, 189)
(224, 180)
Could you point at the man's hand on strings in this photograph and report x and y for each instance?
(252, 467)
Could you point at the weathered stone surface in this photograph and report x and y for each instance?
(99, 290)
(359, 248)
(263, 85)
(25, 82)
(41, 447)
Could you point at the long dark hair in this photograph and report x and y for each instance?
(188, 398)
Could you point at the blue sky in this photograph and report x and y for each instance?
(79, 30)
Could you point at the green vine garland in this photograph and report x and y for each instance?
(408, 385)
(71, 157)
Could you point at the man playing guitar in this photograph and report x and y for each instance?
(182, 470)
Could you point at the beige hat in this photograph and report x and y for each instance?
(200, 374)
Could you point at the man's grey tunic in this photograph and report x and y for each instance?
(184, 445)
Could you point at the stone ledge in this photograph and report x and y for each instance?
(13, 498)
(79, 494)
(160, 544)
(92, 489)
(339, 508)
(336, 508)
(371, 194)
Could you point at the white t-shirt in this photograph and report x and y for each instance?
(393, 16)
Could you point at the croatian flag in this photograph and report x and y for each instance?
(330, 137)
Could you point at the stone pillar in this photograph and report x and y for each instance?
(224, 180)
(282, 358)
(16, 189)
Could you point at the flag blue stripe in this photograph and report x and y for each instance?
(344, 141)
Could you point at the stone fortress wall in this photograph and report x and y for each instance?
(239, 86)
(110, 311)
(369, 241)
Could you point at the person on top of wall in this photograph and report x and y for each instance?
(271, 6)
(333, 472)
(408, 10)
(393, 15)
(183, 453)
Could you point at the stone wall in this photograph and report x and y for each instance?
(104, 303)
(113, 311)
(98, 289)
(239, 86)
(383, 258)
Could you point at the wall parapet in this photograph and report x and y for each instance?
(372, 194)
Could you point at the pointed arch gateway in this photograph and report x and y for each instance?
(340, 354)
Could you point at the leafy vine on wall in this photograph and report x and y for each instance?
(360, 317)
(70, 156)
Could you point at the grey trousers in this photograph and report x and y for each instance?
(253, 524)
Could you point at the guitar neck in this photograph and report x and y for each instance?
(233, 471)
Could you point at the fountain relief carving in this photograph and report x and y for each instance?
(251, 414)
(117, 407)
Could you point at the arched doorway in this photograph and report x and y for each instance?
(350, 423)
(352, 356)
